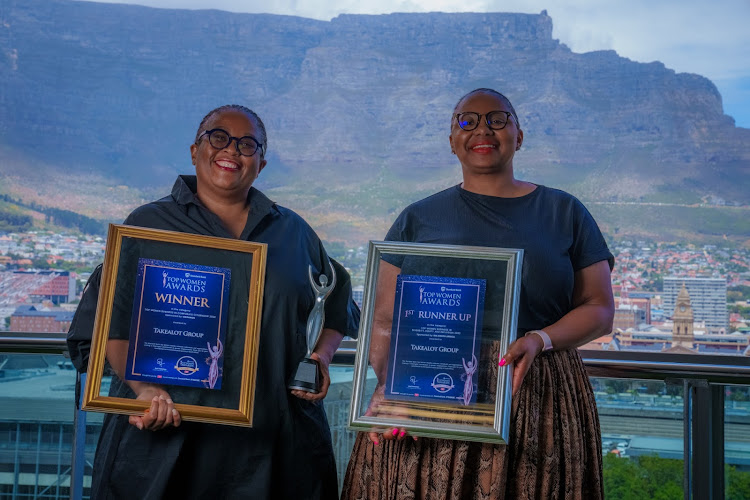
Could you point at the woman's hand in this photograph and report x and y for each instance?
(522, 352)
(162, 412)
(397, 433)
(328, 342)
(325, 380)
(591, 317)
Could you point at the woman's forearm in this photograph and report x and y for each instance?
(380, 344)
(380, 337)
(328, 343)
(117, 355)
(581, 325)
(593, 312)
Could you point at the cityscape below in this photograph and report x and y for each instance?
(668, 297)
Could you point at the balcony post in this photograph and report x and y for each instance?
(78, 460)
(707, 437)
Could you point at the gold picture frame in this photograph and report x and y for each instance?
(231, 405)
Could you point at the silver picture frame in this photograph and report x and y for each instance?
(482, 422)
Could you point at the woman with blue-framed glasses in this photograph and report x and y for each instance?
(554, 447)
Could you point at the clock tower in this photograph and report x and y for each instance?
(682, 328)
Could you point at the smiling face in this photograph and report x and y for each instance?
(484, 151)
(224, 174)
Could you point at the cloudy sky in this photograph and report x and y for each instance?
(710, 38)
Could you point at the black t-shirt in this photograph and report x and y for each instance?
(558, 236)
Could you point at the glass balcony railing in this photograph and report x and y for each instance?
(37, 436)
(672, 426)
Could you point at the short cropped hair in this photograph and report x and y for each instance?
(249, 112)
(496, 94)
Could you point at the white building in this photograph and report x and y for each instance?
(708, 297)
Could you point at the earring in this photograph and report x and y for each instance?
(453, 151)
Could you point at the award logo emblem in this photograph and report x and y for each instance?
(186, 365)
(442, 382)
(307, 377)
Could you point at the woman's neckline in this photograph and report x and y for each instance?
(531, 193)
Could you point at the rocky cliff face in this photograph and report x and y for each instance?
(356, 106)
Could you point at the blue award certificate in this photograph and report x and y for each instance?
(178, 324)
(435, 339)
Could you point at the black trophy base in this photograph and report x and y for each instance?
(307, 377)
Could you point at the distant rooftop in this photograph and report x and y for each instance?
(27, 310)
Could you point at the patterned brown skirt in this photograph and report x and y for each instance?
(554, 450)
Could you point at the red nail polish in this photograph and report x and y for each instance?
(502, 362)
(403, 433)
(395, 431)
(376, 443)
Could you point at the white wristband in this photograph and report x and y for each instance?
(545, 339)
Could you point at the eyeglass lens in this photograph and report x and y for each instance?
(220, 139)
(496, 120)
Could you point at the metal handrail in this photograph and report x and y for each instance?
(610, 364)
(714, 368)
(33, 343)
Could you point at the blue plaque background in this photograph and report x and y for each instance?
(436, 330)
(178, 310)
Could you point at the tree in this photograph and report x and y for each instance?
(40, 263)
(664, 477)
(738, 487)
(739, 292)
(738, 394)
(622, 479)
(642, 477)
(615, 386)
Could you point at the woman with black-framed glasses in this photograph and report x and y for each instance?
(288, 452)
(554, 448)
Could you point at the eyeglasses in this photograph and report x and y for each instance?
(220, 139)
(496, 120)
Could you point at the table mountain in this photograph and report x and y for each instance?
(357, 109)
